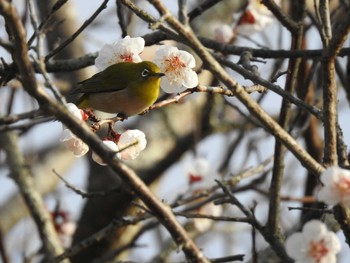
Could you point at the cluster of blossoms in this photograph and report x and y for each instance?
(175, 64)
(127, 146)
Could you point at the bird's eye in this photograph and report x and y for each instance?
(145, 73)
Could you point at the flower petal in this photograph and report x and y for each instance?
(131, 143)
(186, 58)
(73, 143)
(170, 86)
(191, 79)
(126, 49)
(329, 196)
(72, 108)
(294, 245)
(330, 174)
(112, 145)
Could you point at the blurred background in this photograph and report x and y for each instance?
(205, 135)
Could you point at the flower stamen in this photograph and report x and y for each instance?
(174, 64)
(343, 186)
(127, 57)
(318, 250)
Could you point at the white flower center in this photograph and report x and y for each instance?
(127, 57)
(174, 65)
(318, 250)
(343, 186)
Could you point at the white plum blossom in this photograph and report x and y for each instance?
(336, 189)
(204, 224)
(222, 32)
(256, 17)
(73, 143)
(67, 232)
(112, 145)
(200, 172)
(124, 50)
(315, 244)
(177, 66)
(131, 143)
(64, 226)
(75, 111)
(68, 228)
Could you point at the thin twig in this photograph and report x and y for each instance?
(57, 6)
(215, 218)
(286, 21)
(204, 89)
(121, 14)
(40, 53)
(275, 88)
(271, 238)
(24, 127)
(227, 259)
(204, 6)
(77, 33)
(83, 193)
(96, 237)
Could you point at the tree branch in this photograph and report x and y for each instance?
(24, 180)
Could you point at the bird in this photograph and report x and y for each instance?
(126, 88)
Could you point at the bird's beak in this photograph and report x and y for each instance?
(159, 75)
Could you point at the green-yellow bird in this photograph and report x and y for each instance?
(126, 87)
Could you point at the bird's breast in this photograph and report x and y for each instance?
(121, 101)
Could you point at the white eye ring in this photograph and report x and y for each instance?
(145, 73)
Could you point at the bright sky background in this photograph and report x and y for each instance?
(171, 184)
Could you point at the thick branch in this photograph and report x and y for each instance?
(24, 180)
(284, 121)
(332, 45)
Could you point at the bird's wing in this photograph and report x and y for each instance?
(113, 78)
